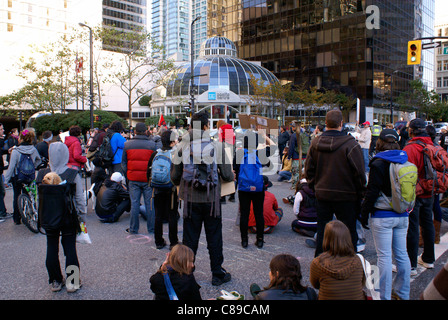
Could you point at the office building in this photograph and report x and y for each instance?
(337, 45)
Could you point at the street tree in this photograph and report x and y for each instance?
(140, 68)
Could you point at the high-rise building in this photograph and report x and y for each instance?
(123, 15)
(339, 45)
(170, 27)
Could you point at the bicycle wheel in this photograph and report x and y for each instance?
(29, 218)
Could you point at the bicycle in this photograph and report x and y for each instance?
(28, 206)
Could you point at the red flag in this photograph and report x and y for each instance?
(161, 121)
(78, 65)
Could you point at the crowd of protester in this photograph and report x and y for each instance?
(337, 179)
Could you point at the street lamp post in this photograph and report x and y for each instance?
(392, 96)
(192, 63)
(91, 72)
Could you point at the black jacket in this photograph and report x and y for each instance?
(379, 180)
(109, 196)
(185, 286)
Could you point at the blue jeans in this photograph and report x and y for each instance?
(136, 190)
(365, 153)
(389, 235)
(284, 175)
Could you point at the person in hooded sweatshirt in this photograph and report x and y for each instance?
(338, 273)
(389, 228)
(112, 199)
(335, 170)
(26, 139)
(76, 159)
(58, 160)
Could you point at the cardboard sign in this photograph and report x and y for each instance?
(255, 122)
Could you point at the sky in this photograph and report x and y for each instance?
(441, 12)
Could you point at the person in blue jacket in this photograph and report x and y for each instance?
(117, 144)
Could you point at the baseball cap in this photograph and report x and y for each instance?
(389, 135)
(116, 176)
(417, 124)
(366, 123)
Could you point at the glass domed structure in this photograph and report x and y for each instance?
(222, 82)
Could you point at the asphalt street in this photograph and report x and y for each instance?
(117, 266)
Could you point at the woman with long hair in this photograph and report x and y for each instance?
(337, 272)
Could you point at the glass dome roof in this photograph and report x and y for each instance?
(218, 70)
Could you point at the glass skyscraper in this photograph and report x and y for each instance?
(170, 27)
(330, 44)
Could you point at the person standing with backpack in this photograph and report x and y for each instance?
(24, 159)
(248, 169)
(198, 165)
(389, 226)
(165, 194)
(422, 213)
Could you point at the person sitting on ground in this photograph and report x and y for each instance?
(285, 173)
(305, 210)
(271, 212)
(179, 266)
(112, 199)
(338, 272)
(285, 281)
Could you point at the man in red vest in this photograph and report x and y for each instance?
(136, 154)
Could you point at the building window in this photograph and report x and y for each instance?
(439, 65)
(9, 3)
(10, 27)
(445, 65)
(445, 82)
(439, 82)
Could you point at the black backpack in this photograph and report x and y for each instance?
(105, 153)
(57, 208)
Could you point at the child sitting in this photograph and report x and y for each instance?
(305, 210)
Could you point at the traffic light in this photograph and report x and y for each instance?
(414, 52)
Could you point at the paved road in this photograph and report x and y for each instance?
(117, 266)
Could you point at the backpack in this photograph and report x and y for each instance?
(403, 181)
(250, 178)
(302, 141)
(25, 171)
(161, 170)
(105, 150)
(57, 208)
(197, 173)
(435, 164)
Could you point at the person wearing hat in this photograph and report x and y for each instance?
(364, 140)
(389, 228)
(271, 212)
(422, 213)
(376, 130)
(112, 199)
